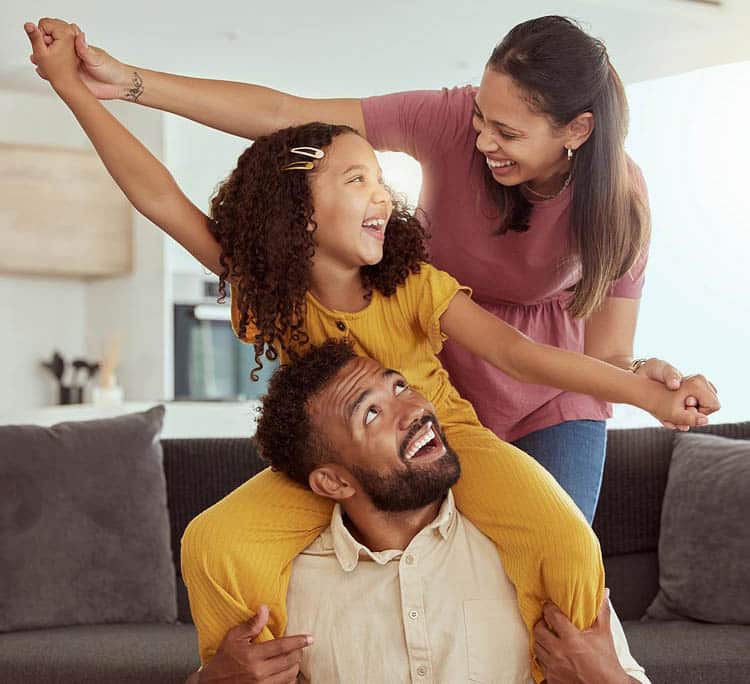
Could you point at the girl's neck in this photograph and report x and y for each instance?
(337, 287)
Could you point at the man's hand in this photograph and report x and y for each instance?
(568, 655)
(106, 77)
(240, 661)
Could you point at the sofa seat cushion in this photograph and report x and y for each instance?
(101, 654)
(682, 651)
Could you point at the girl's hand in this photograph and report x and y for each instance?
(56, 62)
(670, 406)
(661, 371)
(102, 74)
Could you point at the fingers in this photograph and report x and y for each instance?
(544, 638)
(82, 47)
(542, 654)
(254, 626)
(557, 620)
(689, 417)
(54, 27)
(35, 38)
(284, 645)
(603, 616)
(704, 392)
(671, 377)
(288, 676)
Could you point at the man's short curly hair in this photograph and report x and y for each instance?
(286, 437)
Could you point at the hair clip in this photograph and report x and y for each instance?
(312, 152)
(298, 166)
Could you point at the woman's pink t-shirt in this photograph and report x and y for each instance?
(524, 278)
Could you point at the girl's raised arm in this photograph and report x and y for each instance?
(521, 358)
(145, 181)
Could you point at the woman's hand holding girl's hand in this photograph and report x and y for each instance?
(106, 77)
(56, 62)
(705, 400)
(671, 406)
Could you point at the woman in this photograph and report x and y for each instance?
(530, 200)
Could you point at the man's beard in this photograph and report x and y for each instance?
(413, 488)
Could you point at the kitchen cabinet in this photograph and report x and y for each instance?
(61, 214)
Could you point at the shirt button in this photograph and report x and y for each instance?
(413, 614)
(341, 325)
(421, 670)
(409, 560)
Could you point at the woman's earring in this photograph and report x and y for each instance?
(570, 153)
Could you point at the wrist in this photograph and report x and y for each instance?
(636, 364)
(65, 86)
(130, 84)
(646, 392)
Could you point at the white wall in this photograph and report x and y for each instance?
(689, 135)
(136, 307)
(38, 315)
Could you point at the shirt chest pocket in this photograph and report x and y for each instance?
(496, 642)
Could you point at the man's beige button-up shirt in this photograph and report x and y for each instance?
(442, 611)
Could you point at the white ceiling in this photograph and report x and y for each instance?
(333, 47)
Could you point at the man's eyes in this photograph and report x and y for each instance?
(373, 411)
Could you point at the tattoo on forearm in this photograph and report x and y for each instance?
(136, 89)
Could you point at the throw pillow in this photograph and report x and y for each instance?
(85, 527)
(704, 542)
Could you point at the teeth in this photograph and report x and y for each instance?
(419, 444)
(498, 165)
(374, 223)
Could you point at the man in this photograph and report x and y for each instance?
(400, 587)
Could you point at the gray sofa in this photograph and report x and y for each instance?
(199, 472)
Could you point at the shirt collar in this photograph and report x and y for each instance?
(348, 549)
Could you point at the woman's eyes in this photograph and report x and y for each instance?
(400, 387)
(370, 415)
(356, 179)
(480, 120)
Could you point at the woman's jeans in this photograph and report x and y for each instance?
(573, 452)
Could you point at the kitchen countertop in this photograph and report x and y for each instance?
(183, 419)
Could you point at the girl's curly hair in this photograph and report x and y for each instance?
(259, 217)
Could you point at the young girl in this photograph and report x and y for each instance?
(313, 247)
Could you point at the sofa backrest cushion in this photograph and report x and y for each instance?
(704, 547)
(85, 527)
(628, 518)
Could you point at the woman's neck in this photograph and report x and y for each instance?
(338, 287)
(551, 182)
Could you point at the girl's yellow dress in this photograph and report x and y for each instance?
(238, 553)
